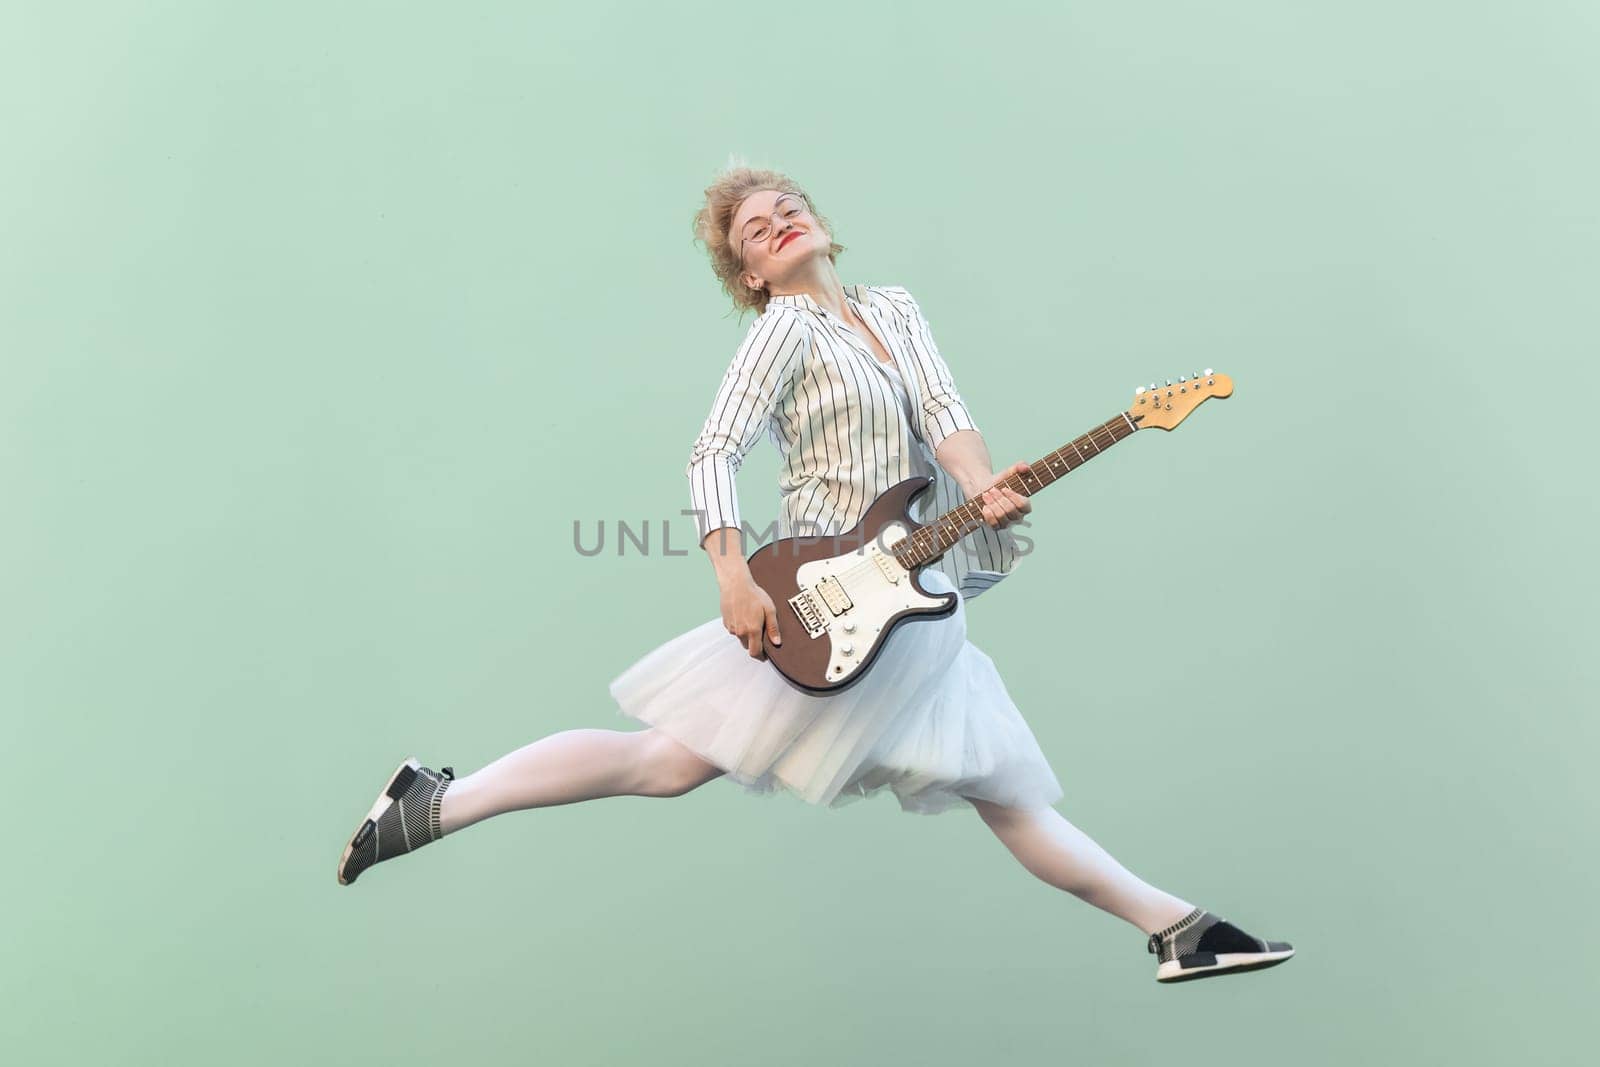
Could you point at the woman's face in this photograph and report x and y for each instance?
(777, 235)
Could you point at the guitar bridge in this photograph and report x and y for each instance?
(810, 616)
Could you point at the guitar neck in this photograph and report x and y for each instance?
(933, 540)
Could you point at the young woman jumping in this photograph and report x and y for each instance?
(849, 386)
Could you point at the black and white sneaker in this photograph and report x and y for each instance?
(1202, 945)
(403, 819)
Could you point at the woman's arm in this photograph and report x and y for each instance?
(943, 411)
(949, 427)
(750, 388)
(755, 381)
(960, 449)
(966, 457)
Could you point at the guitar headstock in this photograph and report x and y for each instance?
(1164, 406)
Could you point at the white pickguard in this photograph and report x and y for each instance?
(877, 587)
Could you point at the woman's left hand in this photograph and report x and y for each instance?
(1002, 505)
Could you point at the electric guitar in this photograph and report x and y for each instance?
(840, 596)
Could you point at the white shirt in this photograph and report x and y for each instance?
(845, 427)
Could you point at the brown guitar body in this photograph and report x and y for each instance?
(881, 593)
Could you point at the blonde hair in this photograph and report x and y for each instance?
(711, 223)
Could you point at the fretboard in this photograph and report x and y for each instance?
(933, 540)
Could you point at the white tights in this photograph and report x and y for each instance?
(586, 764)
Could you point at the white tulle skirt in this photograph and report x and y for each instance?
(931, 721)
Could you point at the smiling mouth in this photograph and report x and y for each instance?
(792, 235)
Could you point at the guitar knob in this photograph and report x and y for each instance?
(846, 648)
(849, 627)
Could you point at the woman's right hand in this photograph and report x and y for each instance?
(747, 611)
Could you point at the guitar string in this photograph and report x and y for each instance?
(942, 523)
(921, 543)
(1049, 464)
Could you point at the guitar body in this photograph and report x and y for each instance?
(840, 596)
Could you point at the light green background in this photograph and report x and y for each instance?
(322, 324)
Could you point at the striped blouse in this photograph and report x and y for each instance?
(834, 412)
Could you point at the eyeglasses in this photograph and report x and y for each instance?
(759, 229)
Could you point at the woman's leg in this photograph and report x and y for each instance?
(1064, 856)
(571, 766)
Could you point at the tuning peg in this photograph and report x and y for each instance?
(1195, 375)
(1138, 390)
(1181, 379)
(1208, 372)
(1169, 381)
(1152, 387)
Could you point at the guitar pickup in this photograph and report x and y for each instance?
(833, 595)
(808, 613)
(891, 570)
